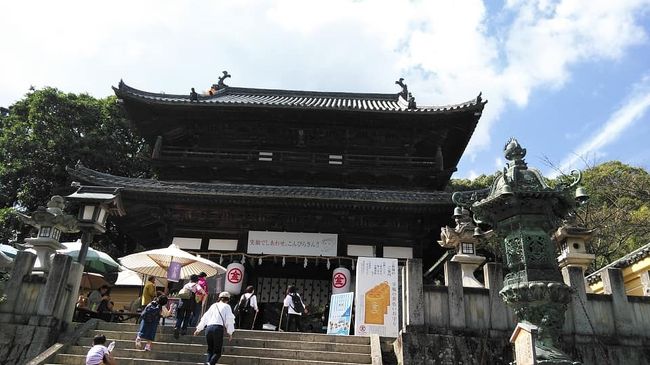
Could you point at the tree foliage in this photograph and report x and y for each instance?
(618, 209)
(48, 130)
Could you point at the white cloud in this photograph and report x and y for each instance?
(633, 109)
(448, 51)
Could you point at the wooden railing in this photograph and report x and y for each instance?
(292, 157)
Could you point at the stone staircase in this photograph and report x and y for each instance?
(246, 347)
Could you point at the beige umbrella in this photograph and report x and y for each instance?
(156, 262)
(91, 280)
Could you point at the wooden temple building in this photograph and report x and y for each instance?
(368, 168)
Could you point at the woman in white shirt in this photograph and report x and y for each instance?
(217, 318)
(295, 308)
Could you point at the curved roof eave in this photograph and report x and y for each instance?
(138, 185)
(313, 100)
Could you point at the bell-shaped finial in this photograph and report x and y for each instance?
(478, 233)
(506, 190)
(458, 212)
(581, 195)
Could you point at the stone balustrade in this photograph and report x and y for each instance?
(463, 324)
(37, 308)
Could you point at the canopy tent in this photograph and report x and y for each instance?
(96, 261)
(156, 262)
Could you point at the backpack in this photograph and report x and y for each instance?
(297, 303)
(151, 313)
(185, 293)
(244, 306)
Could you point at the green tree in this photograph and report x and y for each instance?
(481, 182)
(48, 130)
(618, 209)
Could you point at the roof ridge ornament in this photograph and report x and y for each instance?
(220, 84)
(405, 91)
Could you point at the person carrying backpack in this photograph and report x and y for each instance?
(149, 321)
(295, 308)
(247, 309)
(188, 306)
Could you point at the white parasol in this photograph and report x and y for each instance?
(156, 262)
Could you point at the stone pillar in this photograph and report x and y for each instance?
(74, 281)
(414, 293)
(645, 283)
(579, 306)
(454, 283)
(614, 285)
(493, 276)
(49, 299)
(23, 265)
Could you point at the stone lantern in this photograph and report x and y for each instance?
(50, 222)
(523, 210)
(572, 243)
(463, 239)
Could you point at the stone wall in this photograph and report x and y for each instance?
(460, 325)
(34, 313)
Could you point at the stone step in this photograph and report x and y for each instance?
(168, 346)
(176, 345)
(70, 359)
(355, 358)
(166, 335)
(164, 353)
(132, 327)
(250, 360)
(301, 336)
(157, 353)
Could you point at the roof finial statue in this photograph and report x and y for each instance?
(194, 96)
(411, 100)
(221, 84)
(405, 91)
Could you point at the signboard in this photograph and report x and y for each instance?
(338, 322)
(376, 307)
(291, 243)
(174, 271)
(340, 280)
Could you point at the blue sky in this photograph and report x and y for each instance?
(569, 79)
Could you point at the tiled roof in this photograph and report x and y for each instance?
(419, 198)
(296, 99)
(625, 261)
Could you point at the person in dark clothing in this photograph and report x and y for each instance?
(247, 309)
(186, 308)
(295, 308)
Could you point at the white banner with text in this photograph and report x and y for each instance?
(292, 243)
